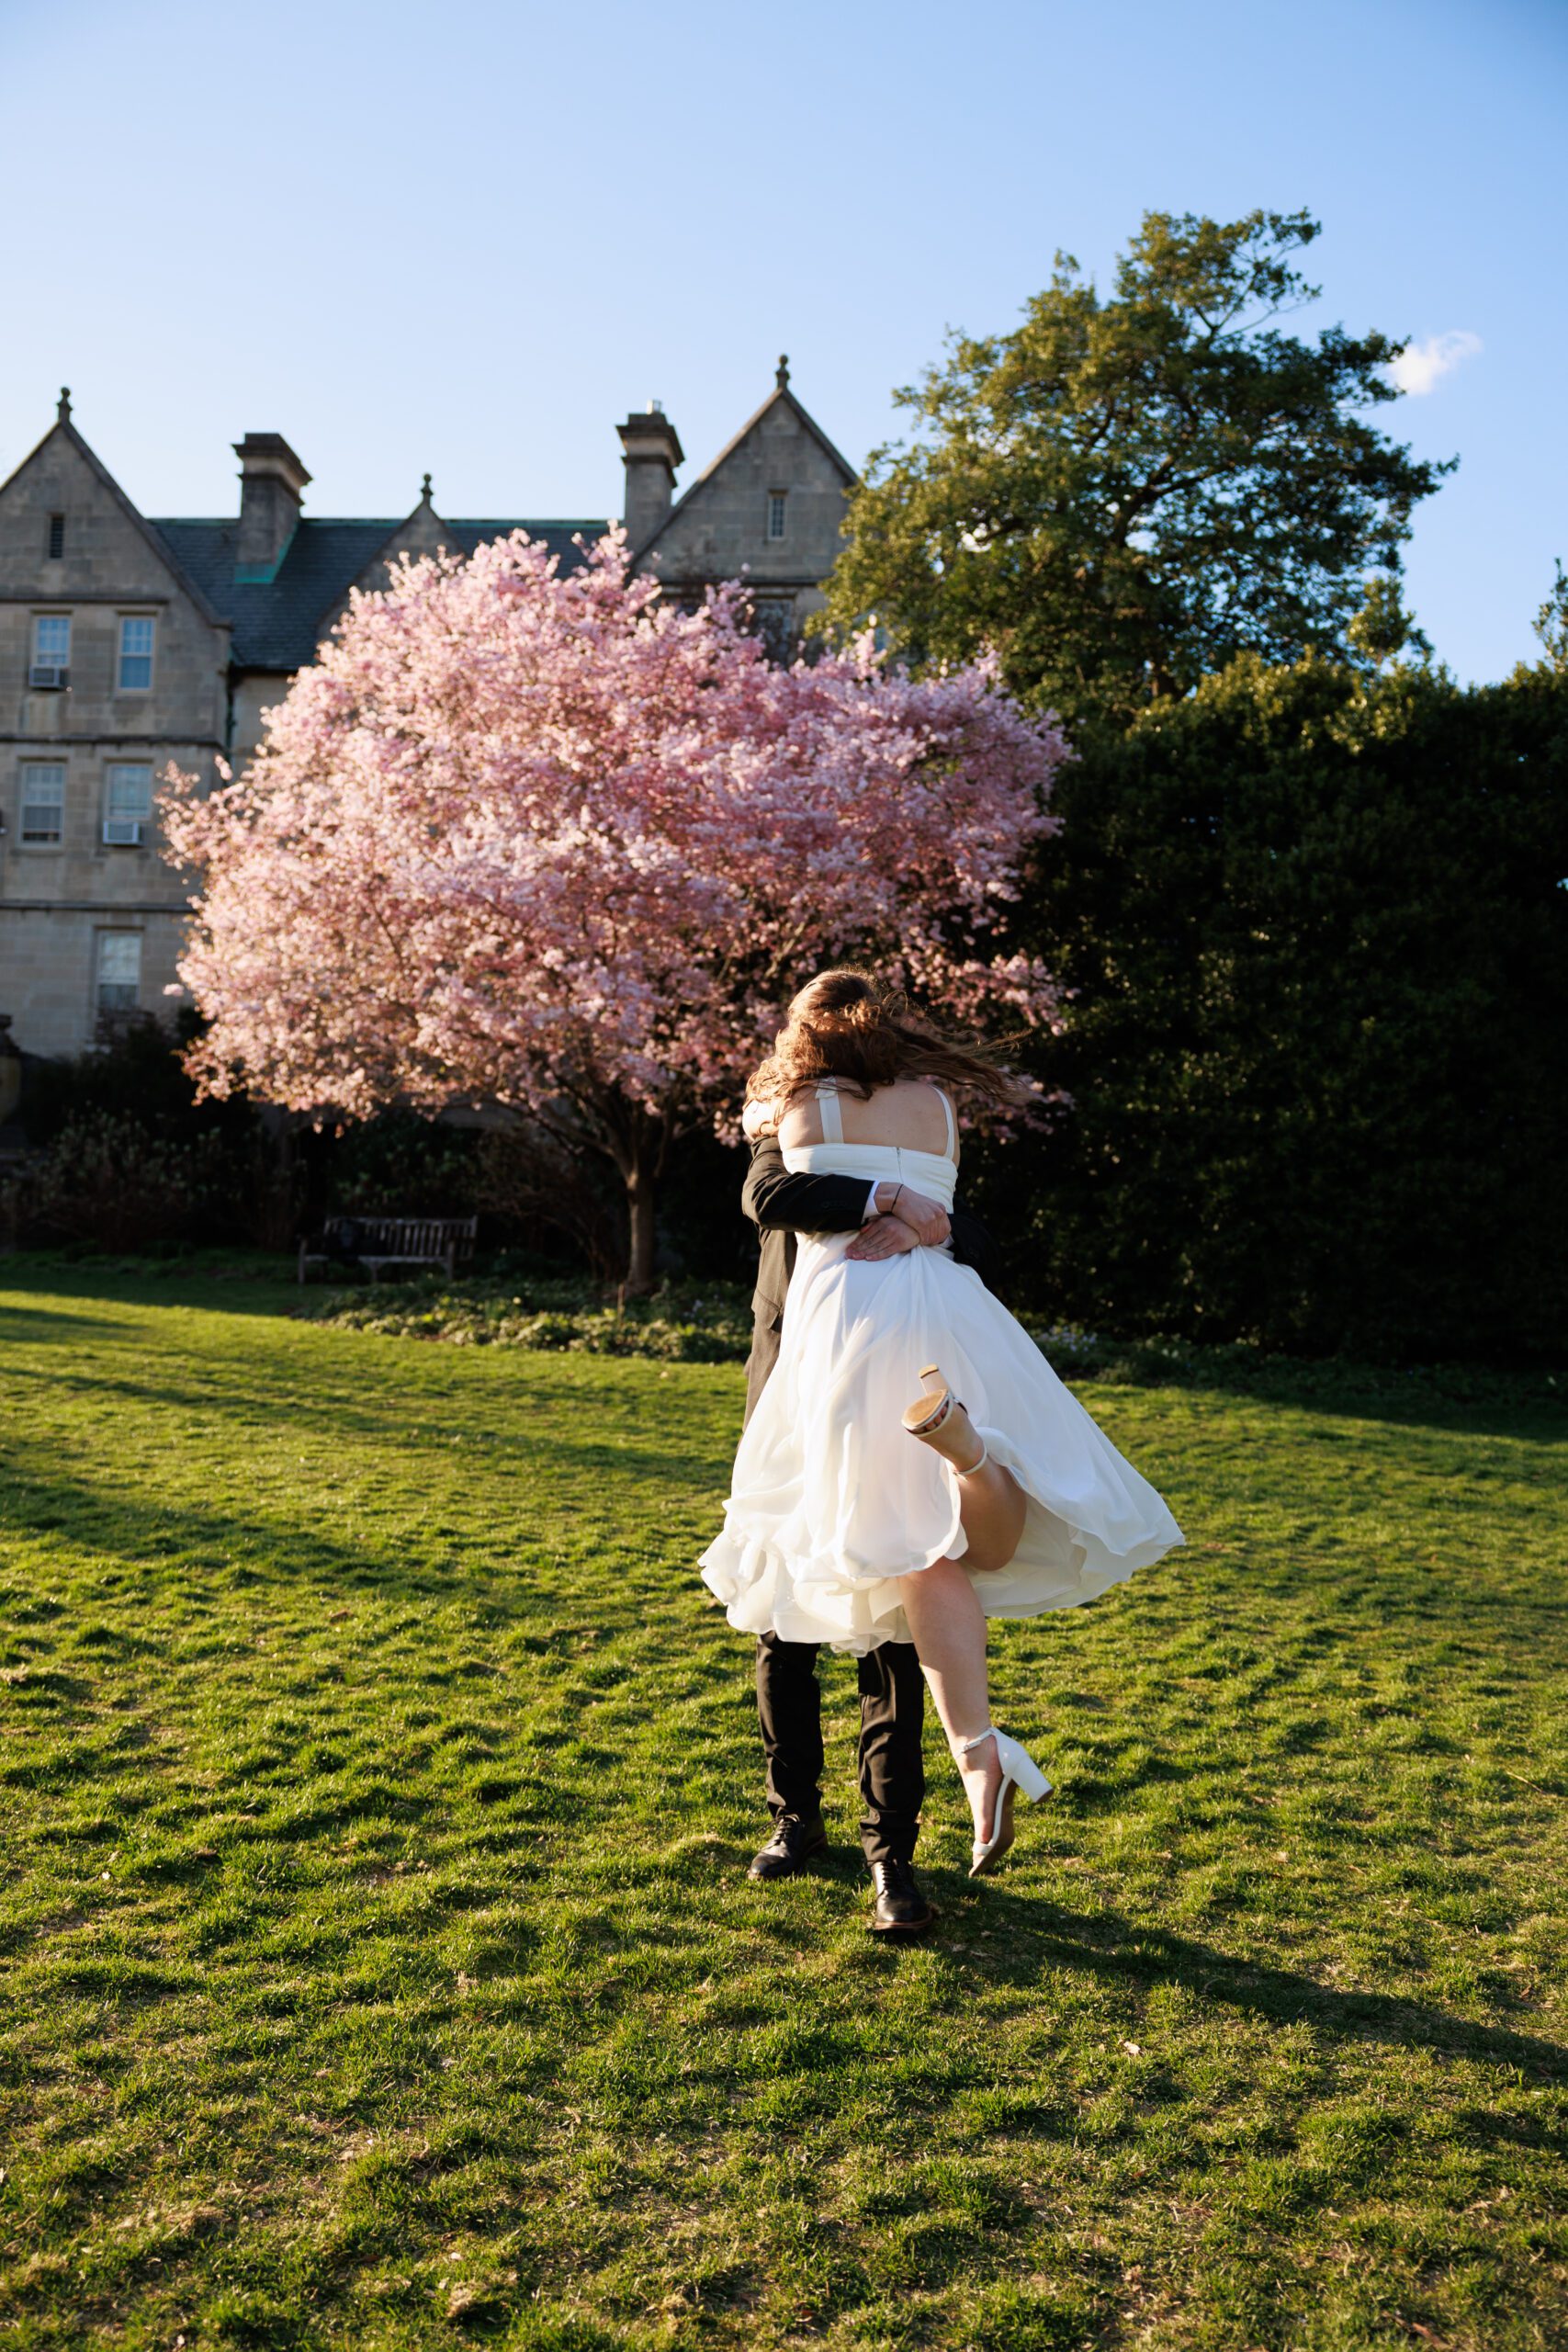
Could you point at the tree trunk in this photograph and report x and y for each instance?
(639, 1220)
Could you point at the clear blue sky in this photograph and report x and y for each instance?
(470, 237)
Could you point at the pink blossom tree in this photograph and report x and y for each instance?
(546, 841)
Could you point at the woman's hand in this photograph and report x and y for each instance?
(759, 1119)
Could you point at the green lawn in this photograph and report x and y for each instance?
(381, 1968)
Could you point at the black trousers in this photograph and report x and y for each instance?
(892, 1711)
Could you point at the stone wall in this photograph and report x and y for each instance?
(57, 898)
(720, 528)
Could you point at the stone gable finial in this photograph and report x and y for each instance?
(782, 379)
(424, 489)
(63, 411)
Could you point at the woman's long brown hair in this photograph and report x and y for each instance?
(845, 1025)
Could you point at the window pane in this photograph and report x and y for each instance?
(131, 791)
(57, 535)
(42, 800)
(776, 514)
(51, 639)
(119, 970)
(135, 653)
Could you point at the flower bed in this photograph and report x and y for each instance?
(684, 1323)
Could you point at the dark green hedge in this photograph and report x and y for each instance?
(1317, 935)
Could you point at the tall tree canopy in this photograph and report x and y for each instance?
(1124, 494)
(544, 841)
(1315, 942)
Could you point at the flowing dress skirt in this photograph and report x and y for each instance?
(833, 1499)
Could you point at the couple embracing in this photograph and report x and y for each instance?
(910, 1465)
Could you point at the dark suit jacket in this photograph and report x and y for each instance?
(780, 1205)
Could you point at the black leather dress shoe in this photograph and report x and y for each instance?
(900, 1909)
(787, 1848)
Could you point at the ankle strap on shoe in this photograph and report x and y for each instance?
(979, 1739)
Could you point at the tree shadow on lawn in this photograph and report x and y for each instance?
(1479, 1400)
(216, 1292)
(341, 1411)
(51, 1324)
(121, 1524)
(1476, 1400)
(1105, 1944)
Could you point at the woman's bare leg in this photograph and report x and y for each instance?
(991, 1503)
(949, 1629)
(992, 1506)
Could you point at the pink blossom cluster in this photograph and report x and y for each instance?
(543, 839)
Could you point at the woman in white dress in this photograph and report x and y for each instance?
(914, 1465)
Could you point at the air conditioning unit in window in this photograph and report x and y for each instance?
(44, 674)
(122, 832)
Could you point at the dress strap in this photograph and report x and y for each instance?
(951, 1126)
(832, 1117)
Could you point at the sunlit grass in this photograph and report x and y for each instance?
(381, 1970)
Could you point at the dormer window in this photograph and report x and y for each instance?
(776, 509)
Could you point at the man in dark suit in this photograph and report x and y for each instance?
(892, 1689)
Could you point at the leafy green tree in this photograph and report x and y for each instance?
(1552, 621)
(1383, 629)
(1122, 495)
(1315, 945)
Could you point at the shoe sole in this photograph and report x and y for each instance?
(876, 1928)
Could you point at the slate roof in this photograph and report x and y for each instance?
(279, 623)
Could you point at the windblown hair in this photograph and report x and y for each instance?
(847, 1025)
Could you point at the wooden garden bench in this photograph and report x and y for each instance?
(378, 1242)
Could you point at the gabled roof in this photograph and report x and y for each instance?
(279, 623)
(148, 531)
(781, 392)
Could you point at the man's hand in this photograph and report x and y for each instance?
(884, 1237)
(926, 1219)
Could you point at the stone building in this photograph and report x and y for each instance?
(127, 643)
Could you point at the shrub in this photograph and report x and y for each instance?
(106, 1181)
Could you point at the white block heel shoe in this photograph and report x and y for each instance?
(1019, 1772)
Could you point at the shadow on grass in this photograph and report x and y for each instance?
(1530, 1405)
(1107, 1945)
(340, 1409)
(115, 1521)
(56, 1323)
(242, 1291)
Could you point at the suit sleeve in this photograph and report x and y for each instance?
(773, 1198)
(972, 1245)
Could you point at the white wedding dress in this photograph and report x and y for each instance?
(833, 1499)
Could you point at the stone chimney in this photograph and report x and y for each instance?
(653, 451)
(272, 486)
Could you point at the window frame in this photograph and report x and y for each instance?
(35, 840)
(100, 940)
(142, 816)
(40, 660)
(125, 621)
(53, 553)
(778, 505)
